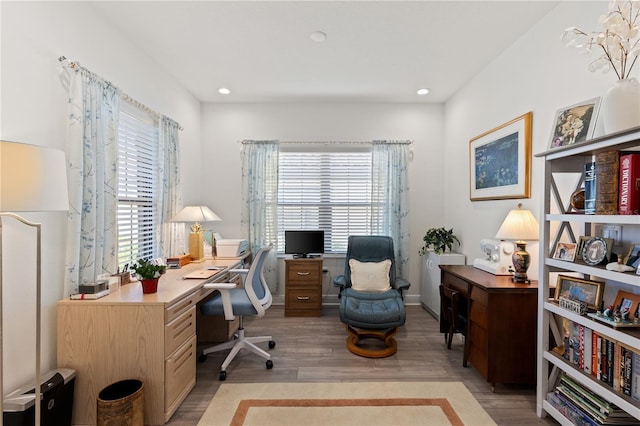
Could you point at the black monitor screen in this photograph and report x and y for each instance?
(303, 243)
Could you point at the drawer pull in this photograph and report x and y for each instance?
(303, 297)
(304, 273)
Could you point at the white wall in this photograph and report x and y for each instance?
(33, 110)
(224, 125)
(538, 73)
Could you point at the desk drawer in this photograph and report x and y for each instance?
(305, 273)
(304, 298)
(179, 330)
(456, 283)
(178, 308)
(180, 372)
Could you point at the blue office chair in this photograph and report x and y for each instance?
(376, 313)
(253, 299)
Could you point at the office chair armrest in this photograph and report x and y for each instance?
(224, 288)
(239, 271)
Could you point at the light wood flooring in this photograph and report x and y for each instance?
(313, 350)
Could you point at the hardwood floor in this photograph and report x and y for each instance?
(313, 350)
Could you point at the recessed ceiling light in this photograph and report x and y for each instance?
(318, 36)
(224, 91)
(422, 91)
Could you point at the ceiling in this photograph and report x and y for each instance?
(375, 51)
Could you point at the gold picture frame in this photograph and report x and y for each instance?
(581, 290)
(500, 161)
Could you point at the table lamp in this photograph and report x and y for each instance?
(196, 214)
(32, 178)
(519, 225)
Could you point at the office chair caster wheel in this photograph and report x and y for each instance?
(202, 358)
(269, 364)
(272, 344)
(222, 376)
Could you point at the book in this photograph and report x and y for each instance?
(568, 410)
(607, 175)
(587, 350)
(629, 197)
(590, 188)
(89, 296)
(627, 370)
(610, 360)
(635, 377)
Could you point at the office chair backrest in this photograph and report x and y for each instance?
(370, 248)
(255, 284)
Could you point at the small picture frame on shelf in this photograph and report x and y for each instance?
(629, 306)
(565, 251)
(575, 124)
(581, 290)
(597, 251)
(633, 258)
(580, 249)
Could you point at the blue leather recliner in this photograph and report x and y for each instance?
(371, 313)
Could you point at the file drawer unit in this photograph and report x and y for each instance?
(303, 287)
(131, 335)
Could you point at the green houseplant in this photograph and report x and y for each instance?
(149, 273)
(440, 239)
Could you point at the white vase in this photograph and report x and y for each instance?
(620, 108)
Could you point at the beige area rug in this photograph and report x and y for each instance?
(345, 403)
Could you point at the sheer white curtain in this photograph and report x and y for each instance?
(390, 183)
(92, 147)
(171, 235)
(259, 218)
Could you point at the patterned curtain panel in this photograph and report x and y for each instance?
(92, 149)
(390, 187)
(170, 198)
(259, 218)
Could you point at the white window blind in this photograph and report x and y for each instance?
(137, 185)
(330, 191)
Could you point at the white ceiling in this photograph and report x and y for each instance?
(376, 51)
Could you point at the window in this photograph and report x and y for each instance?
(137, 185)
(324, 190)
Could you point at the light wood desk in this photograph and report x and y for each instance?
(128, 334)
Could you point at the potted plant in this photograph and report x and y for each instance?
(440, 239)
(148, 273)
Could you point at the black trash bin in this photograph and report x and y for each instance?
(121, 404)
(56, 387)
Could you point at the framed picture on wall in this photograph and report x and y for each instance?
(575, 123)
(500, 161)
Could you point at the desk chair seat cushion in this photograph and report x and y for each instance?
(372, 311)
(240, 302)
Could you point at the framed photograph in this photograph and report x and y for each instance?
(565, 251)
(597, 250)
(633, 258)
(581, 242)
(500, 161)
(575, 124)
(589, 292)
(628, 303)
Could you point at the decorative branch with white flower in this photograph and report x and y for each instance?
(618, 42)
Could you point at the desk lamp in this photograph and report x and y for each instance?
(519, 225)
(32, 178)
(196, 214)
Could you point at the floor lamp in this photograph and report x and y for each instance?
(32, 178)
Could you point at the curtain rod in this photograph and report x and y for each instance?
(73, 65)
(390, 142)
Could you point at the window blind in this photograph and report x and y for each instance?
(137, 185)
(330, 191)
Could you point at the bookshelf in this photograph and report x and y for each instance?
(558, 224)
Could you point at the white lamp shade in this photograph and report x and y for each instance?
(519, 225)
(195, 214)
(32, 178)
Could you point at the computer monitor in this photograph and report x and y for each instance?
(302, 243)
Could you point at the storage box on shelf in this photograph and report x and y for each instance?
(572, 159)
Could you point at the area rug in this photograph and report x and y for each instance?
(345, 403)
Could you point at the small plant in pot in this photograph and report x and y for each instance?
(439, 239)
(148, 273)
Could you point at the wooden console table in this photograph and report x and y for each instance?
(501, 329)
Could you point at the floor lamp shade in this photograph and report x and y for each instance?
(32, 178)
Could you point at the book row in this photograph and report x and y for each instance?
(612, 184)
(606, 360)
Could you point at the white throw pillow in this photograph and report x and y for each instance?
(370, 276)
